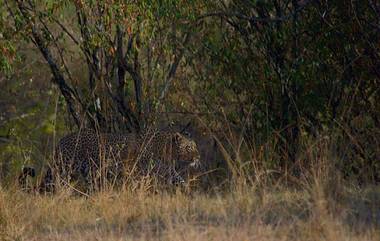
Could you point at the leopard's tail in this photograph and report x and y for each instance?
(26, 171)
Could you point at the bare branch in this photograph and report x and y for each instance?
(173, 68)
(255, 19)
(59, 79)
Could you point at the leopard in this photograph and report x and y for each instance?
(88, 155)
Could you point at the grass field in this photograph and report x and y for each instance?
(319, 208)
(281, 97)
(251, 203)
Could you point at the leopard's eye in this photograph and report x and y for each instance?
(186, 134)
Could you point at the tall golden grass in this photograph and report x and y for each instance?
(318, 205)
(274, 213)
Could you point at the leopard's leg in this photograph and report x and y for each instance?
(174, 177)
(167, 173)
(89, 176)
(84, 171)
(48, 182)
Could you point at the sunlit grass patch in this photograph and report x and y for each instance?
(271, 214)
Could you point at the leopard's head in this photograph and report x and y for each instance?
(186, 151)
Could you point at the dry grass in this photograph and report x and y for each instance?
(316, 205)
(246, 213)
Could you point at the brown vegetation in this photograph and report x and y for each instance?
(318, 205)
(282, 98)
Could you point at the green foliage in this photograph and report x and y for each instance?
(275, 72)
